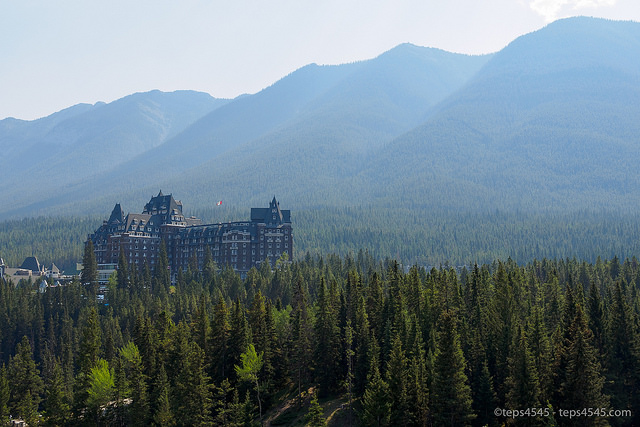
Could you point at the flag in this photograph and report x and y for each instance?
(219, 203)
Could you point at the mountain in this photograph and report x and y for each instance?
(549, 123)
(325, 110)
(42, 157)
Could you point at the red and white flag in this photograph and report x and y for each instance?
(219, 203)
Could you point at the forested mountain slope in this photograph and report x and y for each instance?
(41, 158)
(303, 130)
(549, 123)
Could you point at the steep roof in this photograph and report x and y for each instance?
(266, 215)
(31, 263)
(117, 215)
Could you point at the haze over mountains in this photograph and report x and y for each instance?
(548, 123)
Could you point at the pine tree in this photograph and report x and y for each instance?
(100, 389)
(327, 349)
(124, 281)
(523, 388)
(417, 388)
(251, 364)
(583, 384)
(302, 338)
(596, 318)
(397, 379)
(376, 405)
(451, 395)
(201, 326)
(349, 353)
(315, 416)
(162, 414)
(57, 409)
(220, 331)
(89, 274)
(362, 342)
(5, 394)
(239, 336)
(192, 392)
(139, 408)
(161, 273)
(25, 383)
(623, 364)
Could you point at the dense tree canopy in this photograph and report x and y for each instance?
(412, 346)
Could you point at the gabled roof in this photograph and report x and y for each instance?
(31, 263)
(117, 215)
(161, 203)
(266, 214)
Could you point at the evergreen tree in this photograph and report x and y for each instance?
(622, 353)
(596, 318)
(523, 388)
(5, 394)
(220, 335)
(327, 350)
(124, 281)
(192, 392)
(583, 384)
(302, 337)
(315, 416)
(162, 414)
(376, 405)
(25, 383)
(89, 274)
(239, 336)
(57, 409)
(451, 402)
(397, 380)
(362, 342)
(100, 389)
(139, 408)
(251, 364)
(161, 273)
(417, 389)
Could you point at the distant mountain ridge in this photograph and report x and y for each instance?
(548, 123)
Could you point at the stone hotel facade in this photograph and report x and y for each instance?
(242, 244)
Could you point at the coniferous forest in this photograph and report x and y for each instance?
(352, 340)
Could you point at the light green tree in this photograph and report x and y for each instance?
(101, 386)
(251, 365)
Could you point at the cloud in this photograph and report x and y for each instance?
(551, 9)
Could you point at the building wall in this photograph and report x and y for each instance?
(241, 245)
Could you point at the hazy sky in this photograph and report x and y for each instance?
(54, 54)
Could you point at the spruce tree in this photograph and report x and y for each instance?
(124, 281)
(5, 394)
(248, 370)
(161, 273)
(451, 395)
(376, 405)
(583, 383)
(623, 366)
(162, 414)
(523, 387)
(89, 274)
(301, 336)
(57, 409)
(397, 379)
(327, 349)
(25, 383)
(220, 335)
(315, 416)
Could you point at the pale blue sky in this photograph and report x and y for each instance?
(54, 54)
